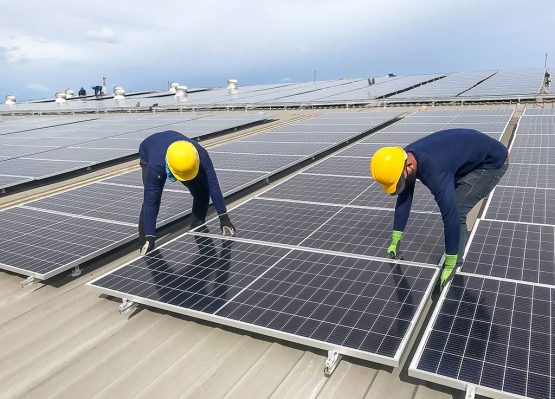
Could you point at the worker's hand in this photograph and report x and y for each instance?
(148, 245)
(228, 229)
(448, 270)
(394, 249)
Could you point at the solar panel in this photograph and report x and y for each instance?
(532, 155)
(534, 140)
(342, 166)
(358, 307)
(114, 203)
(277, 221)
(253, 147)
(518, 204)
(364, 150)
(522, 175)
(96, 141)
(509, 83)
(253, 162)
(44, 244)
(516, 251)
(495, 335)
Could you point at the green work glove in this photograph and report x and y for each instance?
(393, 251)
(448, 269)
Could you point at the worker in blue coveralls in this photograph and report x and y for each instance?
(172, 156)
(459, 166)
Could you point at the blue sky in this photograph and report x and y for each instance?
(49, 46)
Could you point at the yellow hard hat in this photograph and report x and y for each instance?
(386, 167)
(183, 161)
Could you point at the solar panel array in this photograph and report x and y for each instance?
(42, 153)
(111, 206)
(450, 86)
(22, 124)
(292, 272)
(509, 83)
(493, 326)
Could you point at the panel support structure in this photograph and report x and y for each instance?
(331, 362)
(125, 305)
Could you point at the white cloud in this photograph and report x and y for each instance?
(19, 48)
(37, 87)
(286, 79)
(103, 35)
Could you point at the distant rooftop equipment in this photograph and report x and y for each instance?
(173, 87)
(10, 100)
(232, 86)
(60, 97)
(119, 93)
(69, 93)
(181, 92)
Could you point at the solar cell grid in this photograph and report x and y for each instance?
(522, 175)
(115, 203)
(253, 162)
(532, 155)
(43, 244)
(368, 232)
(533, 140)
(343, 166)
(253, 147)
(493, 334)
(277, 221)
(516, 251)
(518, 204)
(363, 150)
(318, 188)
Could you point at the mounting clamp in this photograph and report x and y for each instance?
(125, 305)
(331, 362)
(28, 281)
(76, 271)
(470, 391)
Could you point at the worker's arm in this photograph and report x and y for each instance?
(402, 207)
(153, 187)
(446, 199)
(402, 211)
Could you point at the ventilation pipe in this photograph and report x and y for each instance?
(232, 86)
(119, 93)
(60, 97)
(10, 100)
(181, 92)
(173, 87)
(69, 93)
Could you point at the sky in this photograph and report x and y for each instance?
(51, 46)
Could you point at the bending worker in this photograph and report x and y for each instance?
(170, 155)
(459, 166)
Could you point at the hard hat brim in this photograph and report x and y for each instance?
(185, 176)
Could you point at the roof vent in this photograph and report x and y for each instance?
(60, 97)
(181, 92)
(69, 93)
(10, 100)
(232, 86)
(173, 87)
(119, 93)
